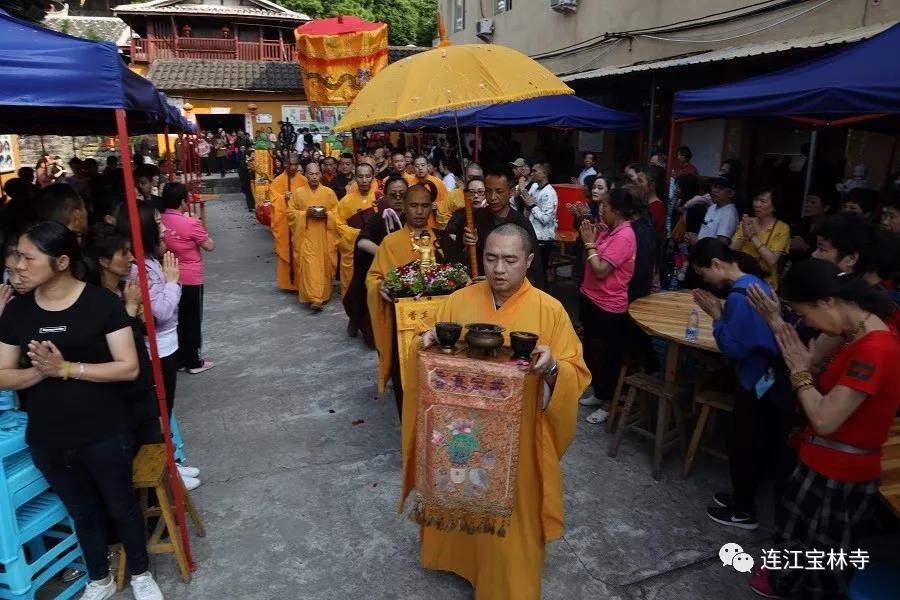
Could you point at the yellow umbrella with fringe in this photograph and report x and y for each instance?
(449, 78)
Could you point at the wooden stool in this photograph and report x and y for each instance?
(150, 472)
(707, 399)
(663, 437)
(616, 405)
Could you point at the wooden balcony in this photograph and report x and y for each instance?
(145, 50)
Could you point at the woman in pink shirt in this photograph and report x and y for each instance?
(610, 247)
(185, 237)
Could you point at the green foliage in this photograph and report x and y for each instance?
(66, 26)
(90, 34)
(409, 21)
(27, 10)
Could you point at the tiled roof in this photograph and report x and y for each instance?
(105, 29)
(262, 9)
(207, 74)
(396, 53)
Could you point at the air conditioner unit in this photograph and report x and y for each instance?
(484, 29)
(564, 5)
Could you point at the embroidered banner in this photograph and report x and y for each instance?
(467, 441)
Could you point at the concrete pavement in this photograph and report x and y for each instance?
(300, 503)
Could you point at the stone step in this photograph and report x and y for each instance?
(230, 184)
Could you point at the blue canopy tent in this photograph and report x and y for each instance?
(857, 84)
(59, 84)
(76, 81)
(548, 111)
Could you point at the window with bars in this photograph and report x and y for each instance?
(501, 6)
(458, 14)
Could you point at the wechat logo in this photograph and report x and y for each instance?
(732, 555)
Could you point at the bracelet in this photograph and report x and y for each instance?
(805, 386)
(67, 368)
(80, 371)
(801, 379)
(592, 256)
(590, 246)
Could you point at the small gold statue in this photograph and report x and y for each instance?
(423, 246)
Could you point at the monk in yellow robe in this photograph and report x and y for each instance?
(394, 251)
(314, 238)
(280, 192)
(420, 168)
(511, 567)
(351, 214)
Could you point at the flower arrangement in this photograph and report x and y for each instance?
(410, 281)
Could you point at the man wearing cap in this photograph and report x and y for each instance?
(721, 219)
(522, 173)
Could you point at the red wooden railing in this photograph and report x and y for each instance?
(147, 50)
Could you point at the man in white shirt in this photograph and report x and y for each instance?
(588, 169)
(540, 203)
(722, 217)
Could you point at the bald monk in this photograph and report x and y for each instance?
(422, 174)
(280, 192)
(351, 214)
(395, 251)
(314, 238)
(456, 199)
(511, 567)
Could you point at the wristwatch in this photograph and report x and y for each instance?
(552, 371)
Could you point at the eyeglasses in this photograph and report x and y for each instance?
(476, 192)
(396, 194)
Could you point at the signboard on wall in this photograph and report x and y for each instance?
(305, 116)
(264, 118)
(7, 159)
(220, 110)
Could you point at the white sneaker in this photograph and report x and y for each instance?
(591, 400)
(190, 483)
(206, 366)
(597, 417)
(188, 471)
(144, 587)
(96, 590)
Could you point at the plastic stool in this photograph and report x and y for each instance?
(878, 581)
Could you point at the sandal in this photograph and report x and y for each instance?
(597, 417)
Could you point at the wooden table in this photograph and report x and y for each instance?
(666, 315)
(890, 469)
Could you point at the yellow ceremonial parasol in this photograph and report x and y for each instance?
(449, 78)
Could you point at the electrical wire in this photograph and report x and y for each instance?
(603, 52)
(740, 35)
(687, 24)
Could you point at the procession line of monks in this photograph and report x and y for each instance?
(311, 227)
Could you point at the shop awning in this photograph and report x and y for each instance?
(863, 79)
(735, 52)
(549, 111)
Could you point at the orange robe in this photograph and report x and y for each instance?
(410, 179)
(349, 205)
(511, 567)
(315, 243)
(441, 199)
(395, 251)
(285, 269)
(455, 201)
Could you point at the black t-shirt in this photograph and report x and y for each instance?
(64, 414)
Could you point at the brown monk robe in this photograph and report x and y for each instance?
(283, 186)
(370, 237)
(397, 250)
(511, 567)
(351, 213)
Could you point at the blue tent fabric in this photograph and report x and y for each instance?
(546, 111)
(857, 80)
(56, 83)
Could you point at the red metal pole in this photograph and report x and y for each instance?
(673, 143)
(170, 167)
(140, 258)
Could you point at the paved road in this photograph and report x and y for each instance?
(301, 504)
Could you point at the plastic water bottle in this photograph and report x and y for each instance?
(692, 332)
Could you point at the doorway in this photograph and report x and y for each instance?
(230, 123)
